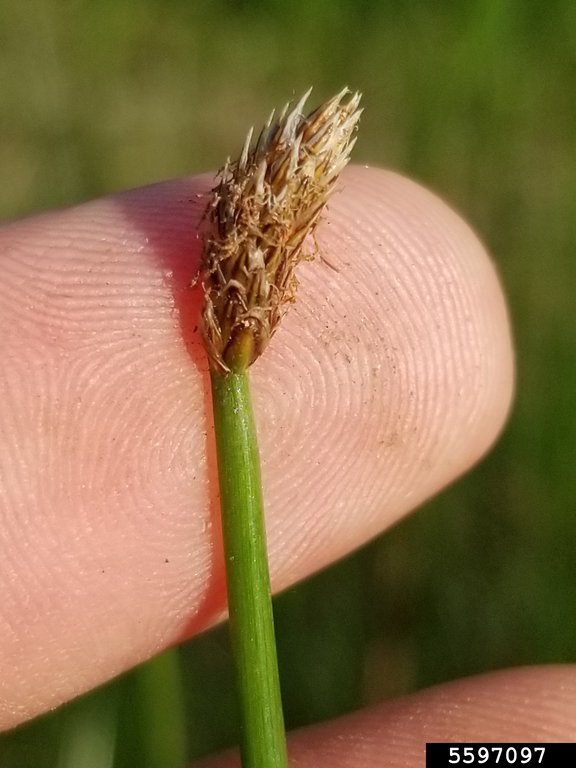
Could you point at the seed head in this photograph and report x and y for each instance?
(261, 210)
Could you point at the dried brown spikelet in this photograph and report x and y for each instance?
(260, 212)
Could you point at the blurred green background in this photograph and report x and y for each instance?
(475, 99)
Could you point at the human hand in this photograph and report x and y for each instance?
(390, 377)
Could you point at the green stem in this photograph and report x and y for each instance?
(162, 709)
(249, 601)
(90, 730)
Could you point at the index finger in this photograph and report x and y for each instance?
(391, 375)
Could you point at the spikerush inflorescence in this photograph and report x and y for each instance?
(257, 220)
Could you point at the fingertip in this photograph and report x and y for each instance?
(522, 706)
(391, 375)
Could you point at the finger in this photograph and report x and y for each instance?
(535, 705)
(390, 376)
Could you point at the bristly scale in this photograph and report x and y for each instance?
(259, 214)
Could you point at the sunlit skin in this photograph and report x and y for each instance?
(392, 376)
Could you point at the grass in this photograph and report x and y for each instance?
(476, 100)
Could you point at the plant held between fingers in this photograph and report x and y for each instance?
(257, 221)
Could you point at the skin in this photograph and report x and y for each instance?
(391, 376)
